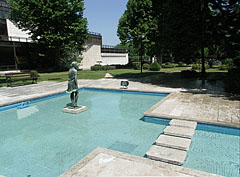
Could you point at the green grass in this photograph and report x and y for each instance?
(118, 73)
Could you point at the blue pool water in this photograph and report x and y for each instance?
(215, 149)
(41, 140)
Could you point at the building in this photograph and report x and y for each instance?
(13, 40)
(97, 54)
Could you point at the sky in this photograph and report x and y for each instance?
(103, 17)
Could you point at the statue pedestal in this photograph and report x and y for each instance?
(75, 110)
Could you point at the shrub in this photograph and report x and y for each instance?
(95, 67)
(222, 67)
(136, 65)
(229, 63)
(146, 66)
(198, 66)
(168, 65)
(154, 66)
(100, 67)
(110, 67)
(181, 64)
(217, 62)
(195, 66)
(207, 65)
(34, 73)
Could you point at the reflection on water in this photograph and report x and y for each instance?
(23, 113)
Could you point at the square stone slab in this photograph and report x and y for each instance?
(75, 110)
(179, 131)
(183, 123)
(173, 156)
(173, 142)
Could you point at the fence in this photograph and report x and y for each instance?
(15, 38)
(112, 49)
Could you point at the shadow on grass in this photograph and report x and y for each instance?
(134, 75)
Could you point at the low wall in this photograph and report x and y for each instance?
(114, 58)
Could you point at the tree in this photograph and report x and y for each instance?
(134, 24)
(57, 24)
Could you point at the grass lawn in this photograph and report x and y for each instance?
(118, 73)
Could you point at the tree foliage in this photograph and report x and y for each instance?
(134, 25)
(57, 24)
(185, 29)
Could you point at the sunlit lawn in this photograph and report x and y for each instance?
(118, 73)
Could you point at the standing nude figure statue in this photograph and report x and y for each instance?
(73, 84)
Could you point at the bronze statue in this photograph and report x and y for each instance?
(73, 84)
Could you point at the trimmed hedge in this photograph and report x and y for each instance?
(101, 68)
(181, 64)
(223, 67)
(136, 65)
(168, 65)
(155, 66)
(146, 66)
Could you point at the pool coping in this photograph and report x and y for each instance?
(170, 167)
(146, 113)
(84, 87)
(150, 113)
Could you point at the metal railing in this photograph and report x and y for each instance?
(94, 33)
(112, 49)
(15, 38)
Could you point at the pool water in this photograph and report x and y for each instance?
(41, 140)
(215, 149)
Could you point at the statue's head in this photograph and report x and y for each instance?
(74, 64)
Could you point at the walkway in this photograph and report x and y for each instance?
(104, 162)
(203, 108)
(10, 95)
(180, 104)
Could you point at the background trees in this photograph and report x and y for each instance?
(186, 29)
(58, 26)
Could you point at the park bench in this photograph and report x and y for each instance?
(23, 76)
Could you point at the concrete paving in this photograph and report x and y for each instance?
(10, 95)
(203, 108)
(105, 162)
(179, 131)
(183, 123)
(169, 155)
(173, 142)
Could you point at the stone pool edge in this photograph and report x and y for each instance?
(116, 154)
(29, 98)
(150, 113)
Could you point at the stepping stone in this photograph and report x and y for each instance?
(173, 142)
(183, 123)
(169, 155)
(179, 131)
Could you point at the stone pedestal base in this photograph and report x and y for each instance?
(75, 110)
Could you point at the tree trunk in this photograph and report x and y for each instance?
(203, 62)
(160, 58)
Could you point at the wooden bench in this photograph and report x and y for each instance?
(23, 76)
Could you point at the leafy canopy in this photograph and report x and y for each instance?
(57, 23)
